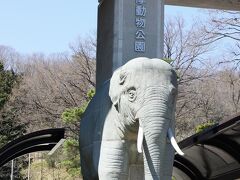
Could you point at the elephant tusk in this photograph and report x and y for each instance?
(140, 139)
(174, 142)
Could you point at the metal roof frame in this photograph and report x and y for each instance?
(213, 154)
(43, 140)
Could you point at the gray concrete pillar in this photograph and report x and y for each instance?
(127, 29)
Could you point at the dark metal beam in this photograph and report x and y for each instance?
(222, 144)
(187, 167)
(36, 141)
(226, 144)
(212, 132)
(233, 5)
(46, 147)
(234, 174)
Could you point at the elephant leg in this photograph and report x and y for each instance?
(113, 162)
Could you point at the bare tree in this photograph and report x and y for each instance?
(225, 25)
(206, 91)
(50, 84)
(229, 81)
(9, 57)
(186, 47)
(83, 57)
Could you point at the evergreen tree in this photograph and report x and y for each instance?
(7, 81)
(72, 118)
(10, 127)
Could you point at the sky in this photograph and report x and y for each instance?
(49, 26)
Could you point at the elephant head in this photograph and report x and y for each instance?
(144, 92)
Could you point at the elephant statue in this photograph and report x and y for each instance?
(131, 113)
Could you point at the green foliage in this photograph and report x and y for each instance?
(204, 126)
(69, 144)
(168, 60)
(10, 126)
(90, 94)
(68, 158)
(18, 165)
(51, 161)
(54, 160)
(71, 117)
(71, 157)
(11, 129)
(7, 80)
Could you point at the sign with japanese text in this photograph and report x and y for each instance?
(140, 23)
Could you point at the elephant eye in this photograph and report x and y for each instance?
(132, 94)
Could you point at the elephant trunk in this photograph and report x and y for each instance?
(156, 148)
(155, 121)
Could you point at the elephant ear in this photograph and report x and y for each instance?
(116, 86)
